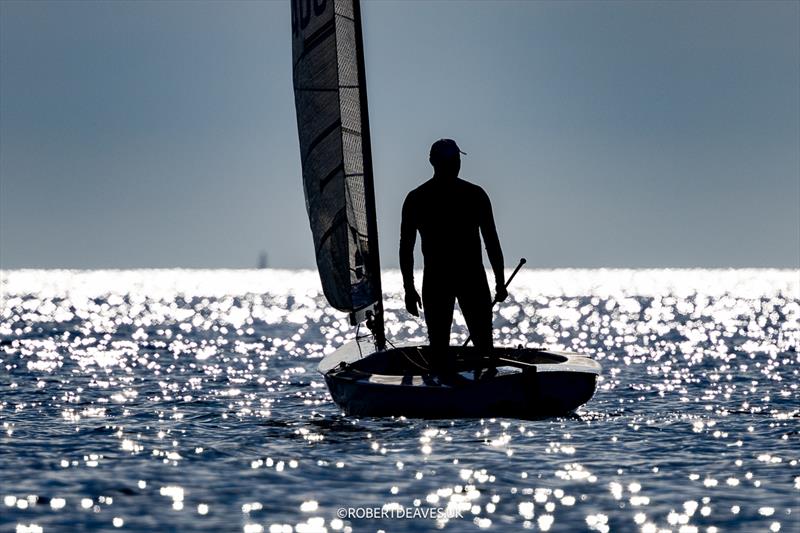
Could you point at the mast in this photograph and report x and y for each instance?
(374, 258)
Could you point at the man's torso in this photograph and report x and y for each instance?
(447, 214)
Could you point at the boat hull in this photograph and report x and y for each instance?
(530, 383)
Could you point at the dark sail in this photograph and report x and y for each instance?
(330, 99)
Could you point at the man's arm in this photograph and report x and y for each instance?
(492, 243)
(408, 238)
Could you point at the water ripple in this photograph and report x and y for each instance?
(167, 399)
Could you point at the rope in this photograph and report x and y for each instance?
(409, 359)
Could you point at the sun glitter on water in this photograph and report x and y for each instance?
(185, 399)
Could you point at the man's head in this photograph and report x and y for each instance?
(445, 157)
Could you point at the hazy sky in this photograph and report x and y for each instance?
(136, 134)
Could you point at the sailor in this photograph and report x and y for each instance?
(451, 215)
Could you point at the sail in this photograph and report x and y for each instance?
(332, 122)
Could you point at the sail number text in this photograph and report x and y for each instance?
(301, 13)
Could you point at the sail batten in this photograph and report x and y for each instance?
(333, 128)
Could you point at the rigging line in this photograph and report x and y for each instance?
(360, 354)
(410, 360)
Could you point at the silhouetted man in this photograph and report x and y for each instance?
(451, 215)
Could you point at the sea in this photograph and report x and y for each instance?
(188, 400)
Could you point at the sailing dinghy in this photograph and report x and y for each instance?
(364, 377)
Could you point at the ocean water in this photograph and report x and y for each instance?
(182, 400)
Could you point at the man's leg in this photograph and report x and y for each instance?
(475, 301)
(438, 302)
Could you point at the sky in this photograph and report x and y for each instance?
(607, 134)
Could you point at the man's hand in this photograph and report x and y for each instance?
(412, 301)
(501, 294)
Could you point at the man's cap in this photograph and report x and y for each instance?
(444, 149)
